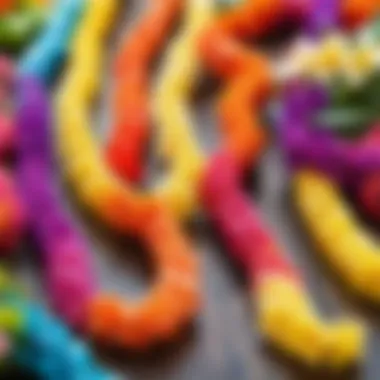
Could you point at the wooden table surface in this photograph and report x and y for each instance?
(224, 343)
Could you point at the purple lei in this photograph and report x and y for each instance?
(67, 259)
(304, 143)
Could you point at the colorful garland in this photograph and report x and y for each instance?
(174, 299)
(353, 253)
(275, 279)
(245, 232)
(177, 143)
(45, 346)
(129, 137)
(67, 259)
(338, 234)
(126, 147)
(174, 85)
(317, 155)
(282, 299)
(41, 345)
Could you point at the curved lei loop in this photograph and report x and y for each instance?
(132, 116)
(177, 142)
(351, 251)
(126, 146)
(175, 296)
(68, 262)
(281, 295)
(350, 163)
(353, 254)
(67, 259)
(42, 344)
